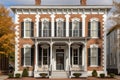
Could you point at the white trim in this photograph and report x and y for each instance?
(94, 19)
(61, 19)
(67, 24)
(37, 24)
(83, 24)
(77, 19)
(52, 24)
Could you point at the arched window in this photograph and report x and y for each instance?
(60, 28)
(76, 28)
(27, 28)
(94, 28)
(45, 28)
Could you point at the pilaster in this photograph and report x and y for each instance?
(67, 24)
(83, 24)
(52, 24)
(37, 24)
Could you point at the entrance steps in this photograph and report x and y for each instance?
(59, 74)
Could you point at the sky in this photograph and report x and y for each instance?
(54, 2)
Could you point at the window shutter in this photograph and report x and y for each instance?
(99, 56)
(80, 29)
(89, 56)
(32, 56)
(64, 29)
(71, 55)
(89, 29)
(49, 29)
(40, 56)
(80, 55)
(22, 29)
(99, 30)
(55, 28)
(49, 56)
(70, 29)
(32, 29)
(22, 56)
(40, 27)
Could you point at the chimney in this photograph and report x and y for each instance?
(83, 2)
(37, 2)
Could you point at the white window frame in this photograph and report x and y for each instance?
(45, 47)
(91, 29)
(91, 50)
(75, 47)
(26, 19)
(26, 46)
(43, 26)
(59, 19)
(77, 19)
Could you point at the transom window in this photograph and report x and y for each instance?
(45, 56)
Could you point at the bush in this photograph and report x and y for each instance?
(11, 75)
(102, 75)
(43, 75)
(25, 73)
(94, 73)
(77, 75)
(17, 75)
(112, 75)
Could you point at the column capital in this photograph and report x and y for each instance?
(67, 15)
(37, 16)
(83, 15)
(52, 16)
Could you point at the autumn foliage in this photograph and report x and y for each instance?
(6, 32)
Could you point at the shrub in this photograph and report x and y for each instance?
(112, 75)
(25, 73)
(102, 75)
(94, 73)
(43, 75)
(77, 75)
(17, 75)
(10, 75)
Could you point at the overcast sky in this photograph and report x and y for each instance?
(54, 2)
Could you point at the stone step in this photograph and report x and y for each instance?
(59, 74)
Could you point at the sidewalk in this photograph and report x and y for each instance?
(3, 77)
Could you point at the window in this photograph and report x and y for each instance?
(75, 30)
(45, 28)
(94, 28)
(27, 55)
(45, 56)
(75, 57)
(60, 28)
(94, 56)
(27, 28)
(27, 58)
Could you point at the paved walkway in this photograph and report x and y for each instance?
(3, 77)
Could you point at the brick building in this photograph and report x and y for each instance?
(60, 40)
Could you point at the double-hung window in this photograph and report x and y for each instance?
(60, 29)
(45, 28)
(75, 56)
(75, 30)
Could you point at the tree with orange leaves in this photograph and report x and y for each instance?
(6, 32)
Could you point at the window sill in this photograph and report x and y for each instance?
(27, 66)
(95, 37)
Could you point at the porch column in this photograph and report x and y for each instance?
(37, 25)
(51, 45)
(83, 24)
(52, 24)
(36, 56)
(85, 57)
(67, 24)
(69, 55)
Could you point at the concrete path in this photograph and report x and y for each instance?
(3, 77)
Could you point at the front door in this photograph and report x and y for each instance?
(60, 59)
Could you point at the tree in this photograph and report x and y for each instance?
(115, 17)
(6, 32)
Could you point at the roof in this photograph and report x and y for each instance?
(64, 6)
(113, 28)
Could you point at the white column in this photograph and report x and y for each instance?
(37, 24)
(51, 45)
(36, 56)
(85, 57)
(52, 24)
(67, 24)
(83, 24)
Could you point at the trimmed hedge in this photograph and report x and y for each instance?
(77, 75)
(25, 73)
(102, 75)
(43, 75)
(17, 75)
(94, 73)
(10, 75)
(112, 75)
